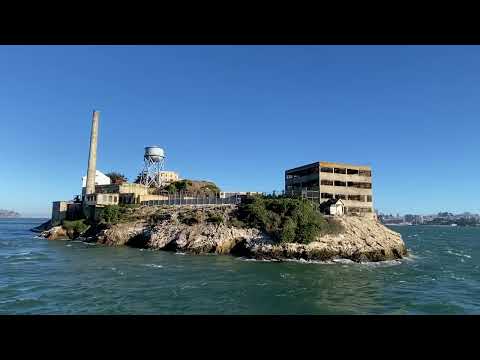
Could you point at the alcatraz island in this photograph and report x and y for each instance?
(324, 213)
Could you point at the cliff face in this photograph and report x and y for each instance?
(362, 240)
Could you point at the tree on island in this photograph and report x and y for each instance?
(116, 177)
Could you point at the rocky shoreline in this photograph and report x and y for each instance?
(362, 239)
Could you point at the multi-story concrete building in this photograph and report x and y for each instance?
(321, 181)
(112, 194)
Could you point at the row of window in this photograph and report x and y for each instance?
(104, 197)
(346, 171)
(359, 185)
(364, 198)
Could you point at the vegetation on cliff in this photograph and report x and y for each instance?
(75, 227)
(287, 220)
(192, 186)
(117, 177)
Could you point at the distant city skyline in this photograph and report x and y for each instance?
(241, 115)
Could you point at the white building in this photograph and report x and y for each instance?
(100, 179)
(167, 177)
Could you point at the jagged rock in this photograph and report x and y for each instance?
(47, 225)
(363, 239)
(55, 233)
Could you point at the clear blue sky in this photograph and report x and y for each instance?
(241, 115)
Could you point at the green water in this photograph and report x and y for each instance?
(37, 276)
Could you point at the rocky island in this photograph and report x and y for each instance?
(259, 228)
(8, 214)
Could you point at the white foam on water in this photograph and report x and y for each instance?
(411, 257)
(459, 254)
(343, 261)
(257, 260)
(381, 263)
(154, 266)
(180, 253)
(68, 245)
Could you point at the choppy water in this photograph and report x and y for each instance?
(66, 277)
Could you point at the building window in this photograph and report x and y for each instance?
(340, 183)
(359, 185)
(109, 198)
(369, 198)
(326, 182)
(367, 173)
(326, 196)
(356, 197)
(352, 171)
(340, 171)
(326, 169)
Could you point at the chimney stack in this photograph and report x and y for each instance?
(92, 157)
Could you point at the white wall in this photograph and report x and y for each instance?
(100, 179)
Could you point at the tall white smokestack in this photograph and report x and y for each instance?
(92, 157)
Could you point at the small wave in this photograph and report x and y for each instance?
(154, 266)
(180, 253)
(411, 257)
(343, 261)
(68, 245)
(459, 254)
(257, 260)
(382, 263)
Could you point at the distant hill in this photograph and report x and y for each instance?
(8, 214)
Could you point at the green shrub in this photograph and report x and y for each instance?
(130, 206)
(286, 219)
(215, 219)
(190, 217)
(77, 226)
(158, 217)
(234, 222)
(111, 214)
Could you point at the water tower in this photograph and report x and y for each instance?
(154, 162)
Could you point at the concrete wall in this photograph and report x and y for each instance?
(59, 211)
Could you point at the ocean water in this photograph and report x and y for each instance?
(37, 276)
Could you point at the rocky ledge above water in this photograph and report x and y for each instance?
(173, 229)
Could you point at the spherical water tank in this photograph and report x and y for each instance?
(154, 153)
